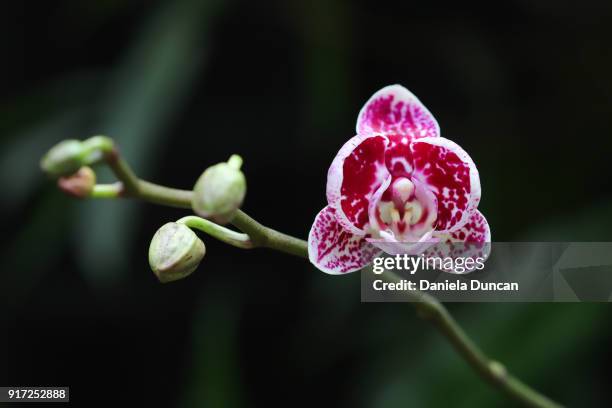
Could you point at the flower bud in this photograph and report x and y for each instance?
(175, 252)
(219, 191)
(79, 184)
(63, 159)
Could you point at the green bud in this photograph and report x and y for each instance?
(175, 252)
(220, 191)
(63, 159)
(79, 184)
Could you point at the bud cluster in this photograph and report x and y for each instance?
(175, 250)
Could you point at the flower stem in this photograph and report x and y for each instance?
(107, 190)
(430, 308)
(258, 235)
(132, 186)
(157, 194)
(268, 238)
(221, 233)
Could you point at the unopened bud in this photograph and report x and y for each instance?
(220, 191)
(63, 159)
(175, 252)
(79, 184)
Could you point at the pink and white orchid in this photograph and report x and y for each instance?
(400, 188)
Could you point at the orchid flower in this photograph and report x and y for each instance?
(400, 188)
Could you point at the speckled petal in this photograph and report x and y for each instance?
(355, 175)
(472, 240)
(395, 110)
(333, 249)
(452, 175)
(398, 156)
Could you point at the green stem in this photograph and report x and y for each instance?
(157, 194)
(258, 235)
(430, 308)
(103, 148)
(221, 233)
(107, 190)
(267, 237)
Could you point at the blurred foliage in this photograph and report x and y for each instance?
(142, 96)
(181, 85)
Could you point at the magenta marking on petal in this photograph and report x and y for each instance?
(398, 156)
(335, 250)
(395, 110)
(475, 230)
(334, 174)
(471, 240)
(452, 175)
(355, 174)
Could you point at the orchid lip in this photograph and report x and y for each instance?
(404, 211)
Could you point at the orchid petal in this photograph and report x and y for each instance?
(452, 175)
(333, 249)
(398, 156)
(472, 240)
(355, 175)
(395, 110)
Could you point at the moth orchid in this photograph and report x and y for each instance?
(400, 188)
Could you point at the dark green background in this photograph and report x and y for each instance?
(524, 87)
